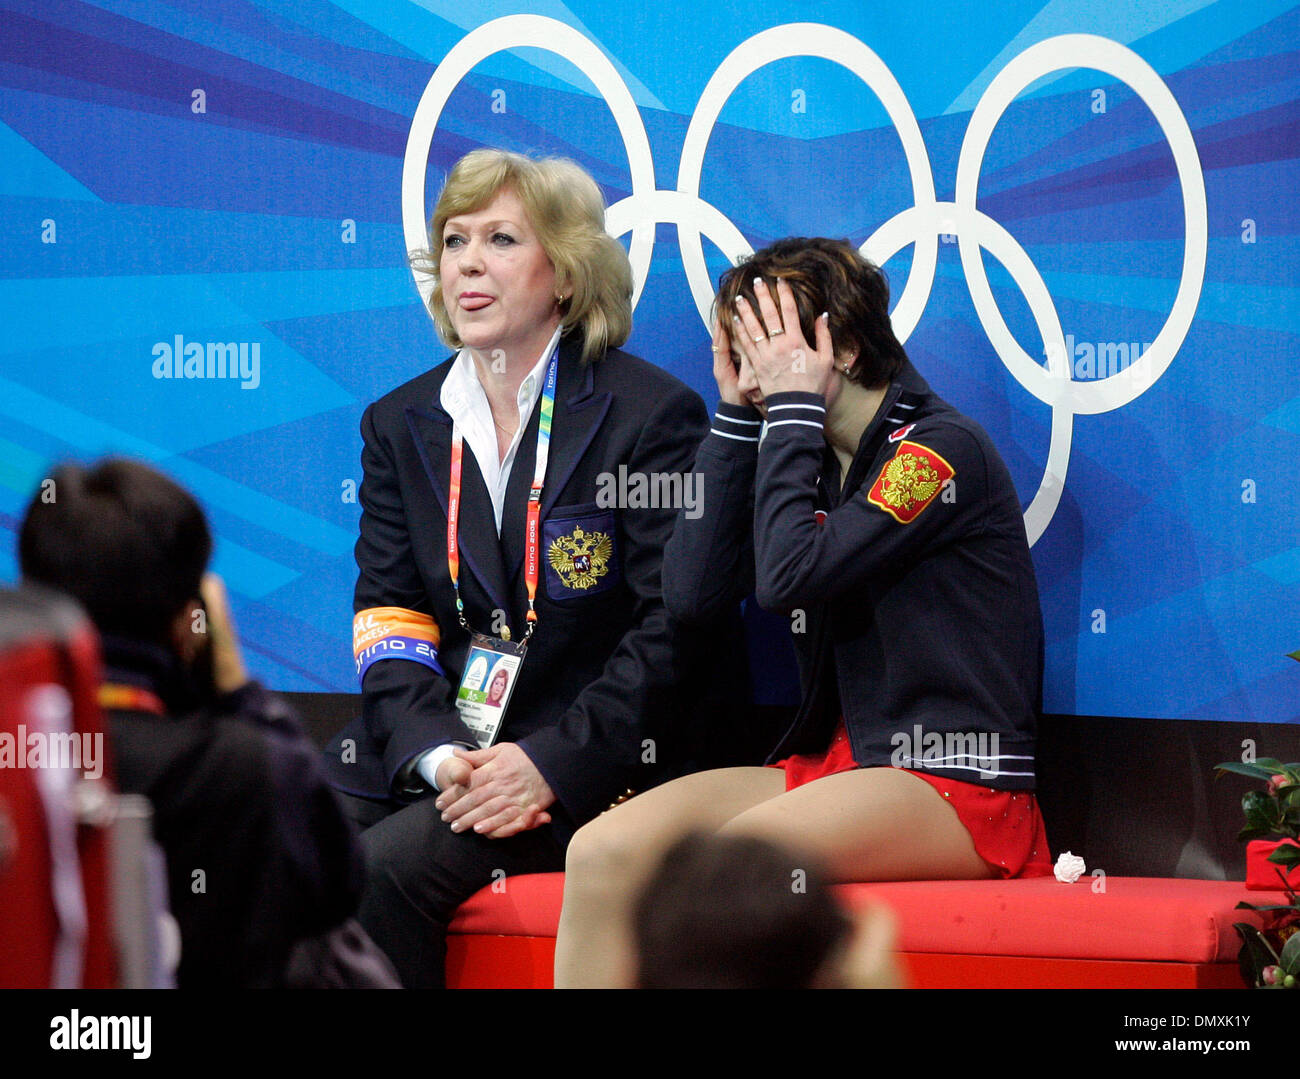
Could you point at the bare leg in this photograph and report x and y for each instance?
(869, 824)
(610, 858)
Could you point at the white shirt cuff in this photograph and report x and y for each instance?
(427, 766)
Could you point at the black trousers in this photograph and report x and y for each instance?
(418, 871)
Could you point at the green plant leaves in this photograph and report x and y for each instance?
(1289, 960)
(1263, 814)
(1257, 770)
(1255, 953)
(1286, 856)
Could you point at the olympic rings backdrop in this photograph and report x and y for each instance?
(1089, 218)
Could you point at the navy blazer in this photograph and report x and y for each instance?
(614, 693)
(917, 622)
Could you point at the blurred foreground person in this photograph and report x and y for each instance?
(738, 912)
(259, 855)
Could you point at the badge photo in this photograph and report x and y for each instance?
(491, 670)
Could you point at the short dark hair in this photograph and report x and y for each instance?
(826, 276)
(733, 912)
(123, 539)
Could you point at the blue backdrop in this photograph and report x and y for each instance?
(1096, 261)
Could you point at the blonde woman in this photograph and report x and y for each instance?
(483, 529)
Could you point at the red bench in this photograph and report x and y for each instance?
(1113, 932)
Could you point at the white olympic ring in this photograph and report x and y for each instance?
(920, 225)
(511, 32)
(1102, 54)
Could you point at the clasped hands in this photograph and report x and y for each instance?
(771, 343)
(497, 792)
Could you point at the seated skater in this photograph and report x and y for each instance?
(487, 524)
(886, 525)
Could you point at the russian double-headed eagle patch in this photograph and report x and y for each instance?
(581, 558)
(910, 481)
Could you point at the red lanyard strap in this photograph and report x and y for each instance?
(532, 526)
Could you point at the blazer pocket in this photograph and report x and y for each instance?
(580, 552)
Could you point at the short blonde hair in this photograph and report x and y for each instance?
(566, 210)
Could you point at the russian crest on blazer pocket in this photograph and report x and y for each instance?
(580, 552)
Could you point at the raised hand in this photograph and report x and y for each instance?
(724, 367)
(772, 342)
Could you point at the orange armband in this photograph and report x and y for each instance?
(394, 633)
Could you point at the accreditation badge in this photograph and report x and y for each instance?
(491, 669)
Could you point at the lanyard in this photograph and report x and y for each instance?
(116, 697)
(532, 527)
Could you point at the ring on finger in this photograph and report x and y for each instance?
(775, 333)
(758, 340)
